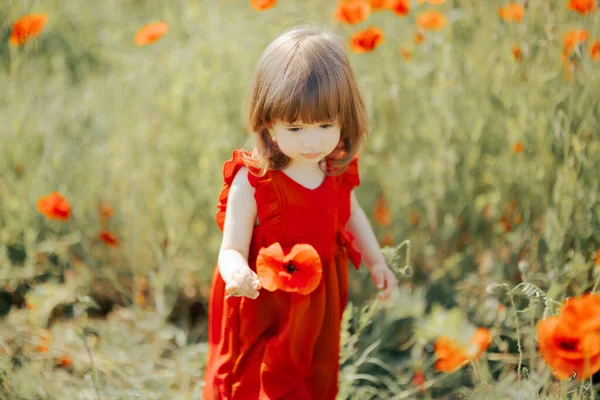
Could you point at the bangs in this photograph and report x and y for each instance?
(316, 97)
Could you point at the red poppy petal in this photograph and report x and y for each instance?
(482, 338)
(306, 281)
(304, 256)
(582, 313)
(450, 355)
(54, 207)
(563, 362)
(309, 269)
(269, 263)
(269, 277)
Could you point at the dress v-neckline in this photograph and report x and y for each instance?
(301, 185)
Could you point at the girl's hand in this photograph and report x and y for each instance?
(242, 281)
(384, 279)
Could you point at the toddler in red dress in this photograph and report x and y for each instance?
(291, 223)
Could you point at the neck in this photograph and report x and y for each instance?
(304, 167)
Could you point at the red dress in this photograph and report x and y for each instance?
(284, 345)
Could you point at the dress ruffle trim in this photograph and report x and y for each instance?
(230, 169)
(265, 194)
(267, 208)
(350, 176)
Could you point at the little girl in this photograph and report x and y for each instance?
(290, 224)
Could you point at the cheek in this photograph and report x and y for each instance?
(332, 140)
(286, 143)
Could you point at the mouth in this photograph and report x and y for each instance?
(310, 156)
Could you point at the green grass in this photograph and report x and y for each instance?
(85, 111)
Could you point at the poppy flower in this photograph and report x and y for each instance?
(151, 33)
(418, 380)
(516, 51)
(574, 38)
(452, 356)
(109, 239)
(42, 348)
(387, 240)
(419, 37)
(140, 299)
(377, 5)
(432, 20)
(570, 342)
(582, 6)
(27, 27)
(518, 147)
(54, 206)
(595, 50)
(400, 7)
(505, 223)
(106, 212)
(260, 5)
(415, 217)
(512, 12)
(352, 12)
(381, 211)
(366, 40)
(298, 271)
(65, 361)
(571, 40)
(518, 218)
(406, 54)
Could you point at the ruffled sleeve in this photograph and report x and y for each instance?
(230, 169)
(350, 176)
(267, 208)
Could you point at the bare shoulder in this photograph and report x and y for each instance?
(241, 183)
(241, 214)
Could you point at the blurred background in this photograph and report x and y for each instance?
(480, 174)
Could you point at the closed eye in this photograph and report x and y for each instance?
(327, 126)
(294, 129)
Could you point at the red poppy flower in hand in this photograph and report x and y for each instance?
(298, 271)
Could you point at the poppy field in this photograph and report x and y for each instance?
(479, 175)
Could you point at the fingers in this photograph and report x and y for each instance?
(243, 283)
(390, 285)
(378, 278)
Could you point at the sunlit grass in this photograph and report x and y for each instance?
(488, 164)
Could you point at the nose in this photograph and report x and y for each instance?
(311, 139)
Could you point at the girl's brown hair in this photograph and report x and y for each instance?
(304, 75)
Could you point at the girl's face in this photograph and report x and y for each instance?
(307, 143)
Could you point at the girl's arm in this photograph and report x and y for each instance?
(366, 244)
(237, 232)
